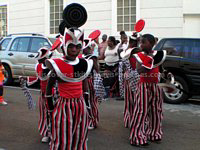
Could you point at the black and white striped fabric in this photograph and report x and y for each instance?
(30, 102)
(133, 77)
(98, 86)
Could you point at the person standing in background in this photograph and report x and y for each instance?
(95, 45)
(102, 47)
(124, 41)
(111, 80)
(2, 102)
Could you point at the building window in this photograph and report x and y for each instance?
(56, 10)
(3, 20)
(126, 15)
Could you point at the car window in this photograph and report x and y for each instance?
(174, 47)
(187, 50)
(4, 44)
(192, 49)
(20, 44)
(37, 43)
(14, 45)
(23, 44)
(196, 50)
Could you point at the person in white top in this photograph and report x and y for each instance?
(124, 41)
(111, 68)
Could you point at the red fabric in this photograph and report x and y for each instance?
(133, 62)
(39, 70)
(147, 61)
(70, 89)
(80, 56)
(67, 37)
(65, 68)
(151, 76)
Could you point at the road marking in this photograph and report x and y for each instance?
(13, 87)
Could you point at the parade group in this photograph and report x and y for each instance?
(71, 87)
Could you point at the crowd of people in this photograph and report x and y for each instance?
(72, 86)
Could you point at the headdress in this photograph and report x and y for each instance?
(74, 16)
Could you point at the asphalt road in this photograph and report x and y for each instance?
(18, 126)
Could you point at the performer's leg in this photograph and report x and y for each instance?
(94, 113)
(126, 105)
(155, 114)
(138, 135)
(69, 125)
(42, 124)
(2, 102)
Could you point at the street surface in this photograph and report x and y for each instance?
(18, 126)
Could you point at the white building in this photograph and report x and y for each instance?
(164, 18)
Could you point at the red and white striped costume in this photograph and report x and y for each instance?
(70, 117)
(42, 72)
(147, 110)
(94, 113)
(131, 78)
(93, 119)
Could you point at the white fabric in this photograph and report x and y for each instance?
(111, 56)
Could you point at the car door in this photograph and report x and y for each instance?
(36, 44)
(17, 54)
(191, 60)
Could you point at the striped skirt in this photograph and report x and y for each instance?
(93, 99)
(128, 103)
(42, 124)
(147, 114)
(69, 125)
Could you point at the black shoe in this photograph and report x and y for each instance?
(119, 98)
(158, 141)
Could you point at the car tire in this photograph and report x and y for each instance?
(9, 79)
(179, 96)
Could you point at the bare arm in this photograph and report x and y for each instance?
(51, 81)
(49, 94)
(95, 65)
(86, 92)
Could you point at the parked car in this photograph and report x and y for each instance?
(18, 51)
(183, 61)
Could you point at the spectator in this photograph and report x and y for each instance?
(2, 102)
(111, 68)
(102, 47)
(95, 45)
(124, 41)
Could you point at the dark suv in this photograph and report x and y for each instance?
(183, 60)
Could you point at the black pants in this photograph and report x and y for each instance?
(1, 90)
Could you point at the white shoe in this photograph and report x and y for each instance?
(90, 127)
(45, 139)
(3, 103)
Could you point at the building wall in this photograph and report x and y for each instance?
(99, 15)
(163, 18)
(26, 16)
(191, 14)
(172, 18)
